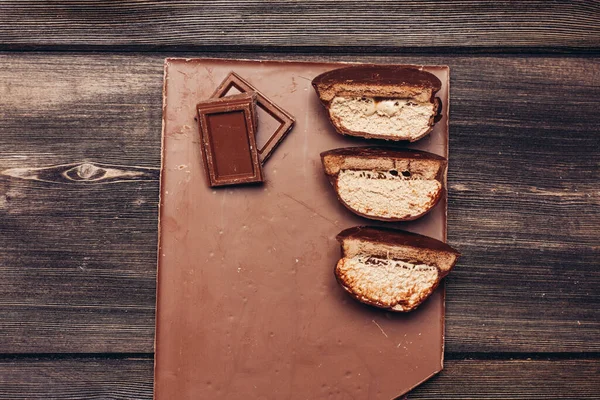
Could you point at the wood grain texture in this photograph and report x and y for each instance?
(297, 24)
(79, 169)
(76, 378)
(131, 378)
(78, 259)
(513, 379)
(84, 173)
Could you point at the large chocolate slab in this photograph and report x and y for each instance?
(248, 305)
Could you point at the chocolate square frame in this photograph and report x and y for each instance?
(286, 121)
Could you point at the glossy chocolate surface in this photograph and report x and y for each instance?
(227, 132)
(394, 237)
(380, 75)
(248, 305)
(382, 152)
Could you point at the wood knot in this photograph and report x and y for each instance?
(85, 172)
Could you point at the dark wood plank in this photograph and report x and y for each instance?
(259, 24)
(513, 379)
(524, 205)
(78, 255)
(131, 378)
(76, 378)
(80, 161)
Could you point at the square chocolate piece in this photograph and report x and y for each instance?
(227, 130)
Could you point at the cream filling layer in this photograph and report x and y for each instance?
(387, 282)
(386, 194)
(402, 118)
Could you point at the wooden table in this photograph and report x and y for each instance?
(80, 125)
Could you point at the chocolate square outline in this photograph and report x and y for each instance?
(284, 118)
(244, 102)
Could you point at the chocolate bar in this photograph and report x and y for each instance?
(227, 129)
(285, 120)
(248, 305)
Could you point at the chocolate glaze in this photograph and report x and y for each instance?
(380, 75)
(247, 304)
(382, 152)
(394, 237)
